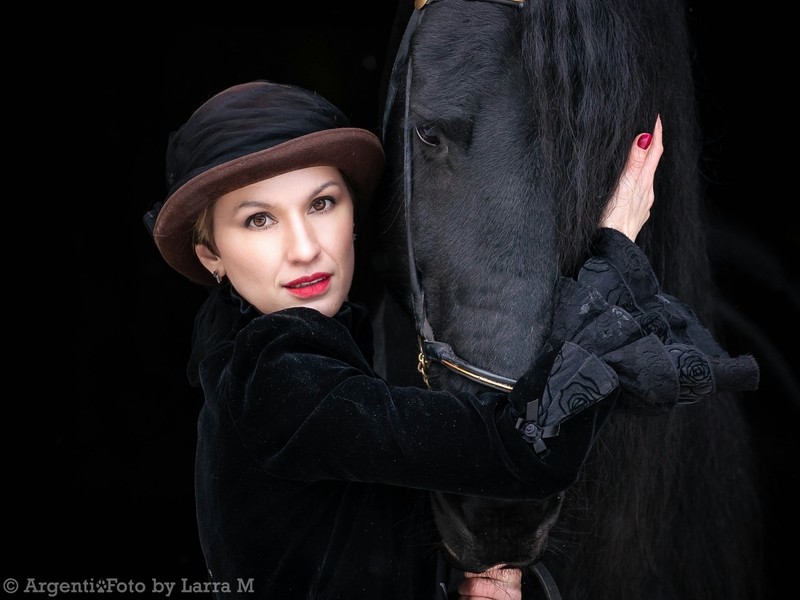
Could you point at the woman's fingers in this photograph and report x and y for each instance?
(497, 583)
(653, 152)
(629, 206)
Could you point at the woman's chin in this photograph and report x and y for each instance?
(327, 305)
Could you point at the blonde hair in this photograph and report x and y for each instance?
(203, 229)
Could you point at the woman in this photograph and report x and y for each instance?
(312, 473)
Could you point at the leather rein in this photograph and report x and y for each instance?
(429, 348)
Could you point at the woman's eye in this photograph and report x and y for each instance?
(322, 204)
(259, 221)
(429, 134)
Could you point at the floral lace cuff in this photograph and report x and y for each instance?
(603, 347)
(577, 380)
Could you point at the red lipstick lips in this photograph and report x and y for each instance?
(310, 285)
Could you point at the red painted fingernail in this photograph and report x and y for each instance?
(644, 141)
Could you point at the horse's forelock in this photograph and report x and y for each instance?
(471, 53)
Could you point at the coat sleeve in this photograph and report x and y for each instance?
(307, 406)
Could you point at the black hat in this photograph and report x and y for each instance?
(244, 134)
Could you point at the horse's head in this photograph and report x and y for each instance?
(486, 253)
(507, 125)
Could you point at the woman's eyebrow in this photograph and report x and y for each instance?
(248, 203)
(322, 186)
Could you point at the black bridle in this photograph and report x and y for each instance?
(429, 348)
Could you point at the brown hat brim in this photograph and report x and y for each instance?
(356, 152)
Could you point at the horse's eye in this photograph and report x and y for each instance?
(428, 134)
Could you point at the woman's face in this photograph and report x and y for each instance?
(286, 241)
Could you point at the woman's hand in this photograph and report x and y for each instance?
(629, 206)
(497, 583)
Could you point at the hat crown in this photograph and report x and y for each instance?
(248, 133)
(242, 120)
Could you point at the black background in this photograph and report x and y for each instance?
(103, 484)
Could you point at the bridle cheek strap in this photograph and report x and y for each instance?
(429, 348)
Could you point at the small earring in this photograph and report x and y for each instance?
(355, 235)
(216, 276)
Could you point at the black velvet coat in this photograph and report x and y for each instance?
(312, 472)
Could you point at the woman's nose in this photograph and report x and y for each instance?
(302, 244)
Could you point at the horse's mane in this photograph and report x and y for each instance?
(590, 103)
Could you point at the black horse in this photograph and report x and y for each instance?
(507, 125)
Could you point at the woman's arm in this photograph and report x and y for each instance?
(307, 405)
(676, 359)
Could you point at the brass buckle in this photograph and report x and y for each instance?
(423, 363)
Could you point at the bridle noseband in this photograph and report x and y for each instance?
(421, 3)
(429, 348)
